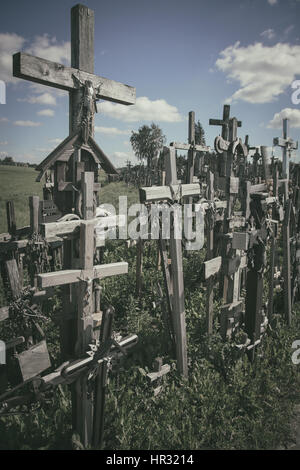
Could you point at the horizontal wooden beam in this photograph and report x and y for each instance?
(165, 369)
(13, 245)
(220, 122)
(59, 76)
(212, 267)
(71, 368)
(70, 276)
(285, 143)
(52, 229)
(161, 193)
(258, 188)
(198, 148)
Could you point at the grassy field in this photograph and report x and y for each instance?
(227, 402)
(17, 184)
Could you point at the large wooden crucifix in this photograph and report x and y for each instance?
(287, 144)
(84, 88)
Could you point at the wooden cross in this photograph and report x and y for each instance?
(287, 145)
(191, 147)
(175, 285)
(83, 273)
(156, 377)
(161, 193)
(227, 123)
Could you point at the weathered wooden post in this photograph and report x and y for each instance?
(209, 255)
(191, 151)
(177, 276)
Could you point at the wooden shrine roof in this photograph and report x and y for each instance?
(66, 148)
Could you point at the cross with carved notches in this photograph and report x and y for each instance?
(73, 79)
(287, 145)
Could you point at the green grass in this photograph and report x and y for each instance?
(227, 402)
(17, 184)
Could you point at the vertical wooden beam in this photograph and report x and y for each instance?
(191, 152)
(287, 262)
(82, 55)
(210, 255)
(285, 159)
(271, 276)
(226, 115)
(85, 310)
(101, 382)
(265, 161)
(11, 218)
(177, 278)
(87, 188)
(13, 278)
(34, 204)
(139, 266)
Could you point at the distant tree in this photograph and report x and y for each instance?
(147, 143)
(199, 134)
(8, 160)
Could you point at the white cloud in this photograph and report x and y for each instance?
(111, 130)
(3, 154)
(263, 72)
(27, 123)
(49, 48)
(44, 46)
(46, 112)
(143, 110)
(119, 159)
(55, 141)
(46, 99)
(291, 113)
(268, 33)
(9, 44)
(272, 2)
(3, 119)
(289, 29)
(4, 142)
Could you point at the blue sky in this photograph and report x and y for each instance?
(180, 55)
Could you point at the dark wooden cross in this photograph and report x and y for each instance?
(227, 123)
(288, 145)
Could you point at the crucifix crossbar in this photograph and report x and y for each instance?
(60, 76)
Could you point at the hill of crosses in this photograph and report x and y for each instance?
(243, 212)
